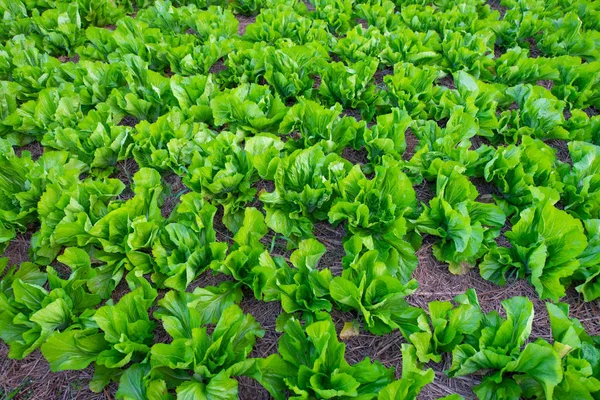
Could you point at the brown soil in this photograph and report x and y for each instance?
(175, 188)
(533, 50)
(130, 121)
(379, 75)
(35, 148)
(411, 145)
(317, 83)
(562, 150)
(447, 81)
(65, 59)
(244, 22)
(592, 111)
(351, 112)
(495, 5)
(547, 84)
(217, 67)
(31, 378)
(18, 249)
(355, 156)
(125, 170)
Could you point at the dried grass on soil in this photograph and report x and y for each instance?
(31, 378)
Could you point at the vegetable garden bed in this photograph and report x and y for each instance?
(385, 199)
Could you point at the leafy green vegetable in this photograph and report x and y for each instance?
(313, 364)
(545, 245)
(187, 245)
(387, 137)
(224, 173)
(304, 288)
(446, 326)
(581, 194)
(373, 289)
(288, 70)
(351, 85)
(31, 314)
(319, 125)
(249, 107)
(305, 184)
(411, 88)
(375, 213)
(467, 228)
(497, 347)
(210, 358)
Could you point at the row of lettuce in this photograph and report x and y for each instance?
(299, 149)
(56, 307)
(267, 120)
(211, 339)
(289, 45)
(430, 32)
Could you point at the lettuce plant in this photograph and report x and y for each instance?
(375, 212)
(535, 370)
(576, 82)
(303, 288)
(37, 304)
(117, 335)
(223, 172)
(186, 246)
(581, 357)
(446, 326)
(288, 70)
(589, 262)
(360, 44)
(411, 88)
(467, 228)
(540, 114)
(387, 137)
(404, 45)
(514, 169)
(566, 37)
(581, 193)
(248, 260)
(380, 14)
(286, 21)
(336, 13)
(22, 183)
(249, 107)
(546, 243)
(383, 312)
(202, 363)
(478, 99)
(515, 66)
(311, 363)
(351, 85)
(305, 188)
(320, 125)
(451, 144)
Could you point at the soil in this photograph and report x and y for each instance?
(244, 22)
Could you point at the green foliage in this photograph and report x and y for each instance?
(545, 245)
(467, 228)
(319, 125)
(249, 107)
(311, 363)
(351, 85)
(375, 212)
(305, 183)
(147, 145)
